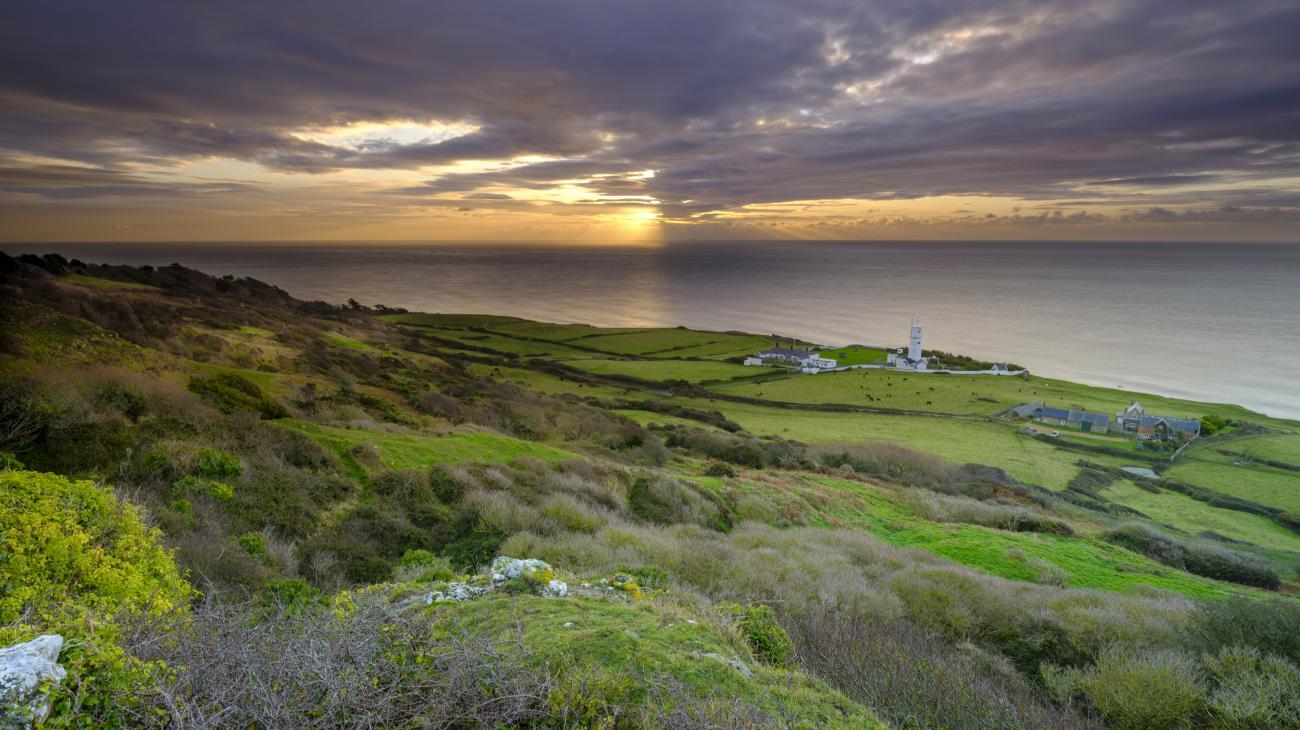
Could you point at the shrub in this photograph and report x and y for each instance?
(370, 666)
(254, 543)
(914, 679)
(888, 460)
(76, 561)
(9, 462)
(424, 566)
(213, 463)
(290, 595)
(230, 392)
(720, 469)
(197, 486)
(1252, 691)
(1211, 561)
(1273, 627)
(1136, 689)
(572, 514)
(757, 623)
(665, 500)
(73, 541)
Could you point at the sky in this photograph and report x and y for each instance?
(612, 121)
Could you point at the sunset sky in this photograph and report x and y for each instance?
(612, 121)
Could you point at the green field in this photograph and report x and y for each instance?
(690, 370)
(98, 283)
(403, 451)
(1077, 562)
(853, 355)
(503, 343)
(972, 394)
(1204, 466)
(448, 320)
(956, 439)
(1185, 513)
(671, 342)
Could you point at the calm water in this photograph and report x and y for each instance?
(1210, 322)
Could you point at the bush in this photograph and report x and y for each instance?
(720, 469)
(424, 566)
(1210, 561)
(9, 462)
(230, 392)
(290, 595)
(213, 463)
(913, 679)
(73, 541)
(757, 623)
(254, 543)
(78, 562)
(196, 486)
(664, 500)
(1272, 627)
(1136, 689)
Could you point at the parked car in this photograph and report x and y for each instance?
(1056, 434)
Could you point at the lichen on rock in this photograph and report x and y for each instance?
(538, 575)
(28, 673)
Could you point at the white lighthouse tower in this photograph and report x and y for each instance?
(915, 360)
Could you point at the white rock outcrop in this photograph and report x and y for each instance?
(28, 671)
(504, 569)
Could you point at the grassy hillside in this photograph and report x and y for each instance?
(321, 471)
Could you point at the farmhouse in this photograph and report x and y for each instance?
(1079, 420)
(806, 359)
(1134, 421)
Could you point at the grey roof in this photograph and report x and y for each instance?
(1186, 425)
(1028, 409)
(786, 352)
(1076, 416)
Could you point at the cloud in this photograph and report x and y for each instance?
(735, 103)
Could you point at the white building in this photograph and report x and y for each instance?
(914, 360)
(806, 359)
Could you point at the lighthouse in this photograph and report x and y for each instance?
(914, 344)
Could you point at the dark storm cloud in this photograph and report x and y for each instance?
(731, 103)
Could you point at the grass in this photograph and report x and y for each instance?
(98, 283)
(1268, 485)
(982, 394)
(620, 645)
(1078, 562)
(854, 354)
(690, 370)
(409, 450)
(670, 342)
(338, 340)
(447, 320)
(1185, 513)
(505, 343)
(957, 439)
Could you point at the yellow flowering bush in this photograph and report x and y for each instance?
(64, 541)
(75, 560)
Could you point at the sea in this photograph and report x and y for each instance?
(1211, 322)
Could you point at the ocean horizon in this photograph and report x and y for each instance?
(1203, 321)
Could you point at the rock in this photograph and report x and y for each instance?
(458, 592)
(539, 574)
(28, 672)
(506, 568)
